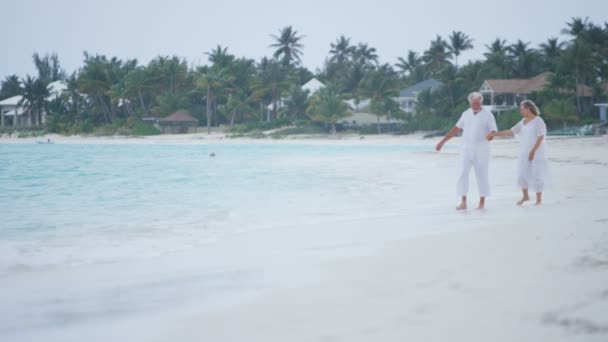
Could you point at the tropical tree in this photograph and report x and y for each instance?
(497, 58)
(288, 45)
(408, 65)
(49, 68)
(220, 57)
(10, 86)
(296, 102)
(459, 42)
(341, 51)
(210, 81)
(35, 92)
(525, 60)
(137, 83)
(550, 51)
(381, 86)
(365, 54)
(437, 56)
(273, 81)
(328, 107)
(560, 111)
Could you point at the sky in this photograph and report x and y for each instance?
(189, 28)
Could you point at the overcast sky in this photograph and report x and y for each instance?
(188, 28)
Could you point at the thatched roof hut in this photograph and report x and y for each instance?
(178, 122)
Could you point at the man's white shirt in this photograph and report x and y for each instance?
(476, 127)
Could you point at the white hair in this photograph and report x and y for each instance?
(475, 96)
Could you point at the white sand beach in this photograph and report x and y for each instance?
(506, 273)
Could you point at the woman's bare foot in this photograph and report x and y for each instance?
(462, 206)
(538, 203)
(523, 200)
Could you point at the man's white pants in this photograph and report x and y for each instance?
(477, 159)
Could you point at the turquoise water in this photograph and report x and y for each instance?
(72, 204)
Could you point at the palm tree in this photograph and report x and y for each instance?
(459, 42)
(288, 46)
(576, 26)
(578, 62)
(328, 107)
(498, 56)
(220, 57)
(381, 86)
(438, 55)
(209, 82)
(10, 86)
(550, 51)
(273, 81)
(136, 84)
(296, 101)
(35, 92)
(341, 51)
(365, 54)
(408, 65)
(49, 69)
(524, 58)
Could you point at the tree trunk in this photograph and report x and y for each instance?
(1, 119)
(141, 102)
(104, 109)
(232, 119)
(576, 93)
(378, 124)
(208, 110)
(332, 127)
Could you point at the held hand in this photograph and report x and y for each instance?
(439, 146)
(491, 136)
(531, 156)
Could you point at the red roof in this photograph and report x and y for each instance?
(180, 116)
(519, 86)
(527, 86)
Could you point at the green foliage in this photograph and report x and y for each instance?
(328, 107)
(506, 120)
(107, 93)
(560, 111)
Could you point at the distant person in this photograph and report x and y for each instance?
(532, 166)
(476, 123)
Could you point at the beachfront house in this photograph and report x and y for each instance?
(506, 94)
(311, 86)
(178, 123)
(14, 114)
(408, 96)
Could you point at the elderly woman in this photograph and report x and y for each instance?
(532, 166)
(476, 123)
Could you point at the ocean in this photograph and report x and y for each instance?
(99, 233)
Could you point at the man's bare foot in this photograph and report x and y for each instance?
(538, 203)
(523, 200)
(481, 206)
(462, 206)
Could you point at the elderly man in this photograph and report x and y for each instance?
(476, 122)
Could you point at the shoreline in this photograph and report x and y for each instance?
(221, 138)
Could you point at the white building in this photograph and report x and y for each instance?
(311, 86)
(12, 113)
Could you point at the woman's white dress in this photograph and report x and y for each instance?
(533, 175)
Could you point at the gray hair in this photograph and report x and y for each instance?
(531, 106)
(475, 96)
